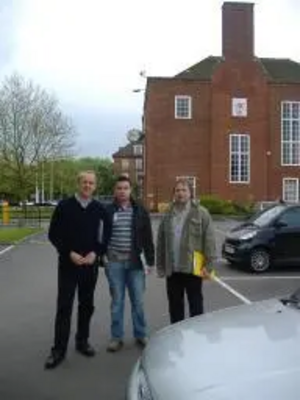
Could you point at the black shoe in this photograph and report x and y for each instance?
(55, 359)
(142, 342)
(86, 350)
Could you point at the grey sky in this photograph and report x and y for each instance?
(91, 55)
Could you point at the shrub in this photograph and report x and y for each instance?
(215, 205)
(163, 207)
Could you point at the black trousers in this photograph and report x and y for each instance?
(179, 284)
(70, 279)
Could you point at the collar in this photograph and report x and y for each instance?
(183, 209)
(83, 202)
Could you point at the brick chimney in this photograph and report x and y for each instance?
(237, 30)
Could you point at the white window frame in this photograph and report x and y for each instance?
(239, 152)
(284, 197)
(183, 97)
(139, 164)
(138, 149)
(290, 142)
(192, 180)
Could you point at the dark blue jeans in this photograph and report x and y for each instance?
(120, 276)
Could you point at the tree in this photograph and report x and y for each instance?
(32, 130)
(59, 176)
(106, 177)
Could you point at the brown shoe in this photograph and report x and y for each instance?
(114, 345)
(142, 342)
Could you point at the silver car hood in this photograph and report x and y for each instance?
(250, 352)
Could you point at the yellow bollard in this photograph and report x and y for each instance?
(5, 213)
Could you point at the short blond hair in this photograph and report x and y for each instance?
(82, 174)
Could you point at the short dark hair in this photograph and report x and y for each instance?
(123, 178)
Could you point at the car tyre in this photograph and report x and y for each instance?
(260, 260)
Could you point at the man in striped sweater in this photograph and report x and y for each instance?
(130, 237)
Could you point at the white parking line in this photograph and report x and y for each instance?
(220, 231)
(6, 250)
(259, 278)
(232, 291)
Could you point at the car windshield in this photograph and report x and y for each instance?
(263, 219)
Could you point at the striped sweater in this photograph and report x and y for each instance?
(121, 238)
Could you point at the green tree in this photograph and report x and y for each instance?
(32, 130)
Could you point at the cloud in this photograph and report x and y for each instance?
(8, 21)
(90, 52)
(101, 133)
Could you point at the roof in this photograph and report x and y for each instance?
(277, 70)
(282, 70)
(202, 70)
(128, 150)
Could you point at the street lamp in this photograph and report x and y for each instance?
(138, 90)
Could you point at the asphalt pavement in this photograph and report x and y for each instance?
(28, 293)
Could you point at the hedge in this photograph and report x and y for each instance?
(218, 206)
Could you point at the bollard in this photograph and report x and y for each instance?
(5, 213)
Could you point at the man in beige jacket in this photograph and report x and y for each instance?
(185, 229)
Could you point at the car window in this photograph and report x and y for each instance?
(291, 217)
(265, 217)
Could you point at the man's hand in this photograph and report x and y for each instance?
(90, 258)
(205, 274)
(76, 258)
(148, 270)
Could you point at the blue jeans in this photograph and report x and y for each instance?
(120, 276)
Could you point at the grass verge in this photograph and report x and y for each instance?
(13, 235)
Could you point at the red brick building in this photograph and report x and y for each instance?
(230, 123)
(129, 160)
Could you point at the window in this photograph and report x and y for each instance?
(291, 217)
(139, 164)
(192, 182)
(267, 216)
(239, 149)
(140, 184)
(290, 190)
(125, 164)
(290, 133)
(138, 150)
(183, 107)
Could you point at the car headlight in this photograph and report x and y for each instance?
(248, 235)
(138, 386)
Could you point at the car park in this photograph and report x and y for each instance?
(248, 352)
(265, 240)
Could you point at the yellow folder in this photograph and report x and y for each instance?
(199, 266)
(198, 262)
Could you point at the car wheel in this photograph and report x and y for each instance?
(260, 260)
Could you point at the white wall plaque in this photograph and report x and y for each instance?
(239, 107)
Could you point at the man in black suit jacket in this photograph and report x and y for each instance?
(77, 232)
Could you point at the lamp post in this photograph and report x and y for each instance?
(43, 181)
(143, 183)
(37, 191)
(51, 188)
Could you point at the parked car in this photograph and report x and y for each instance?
(248, 352)
(267, 239)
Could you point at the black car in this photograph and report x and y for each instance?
(269, 238)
